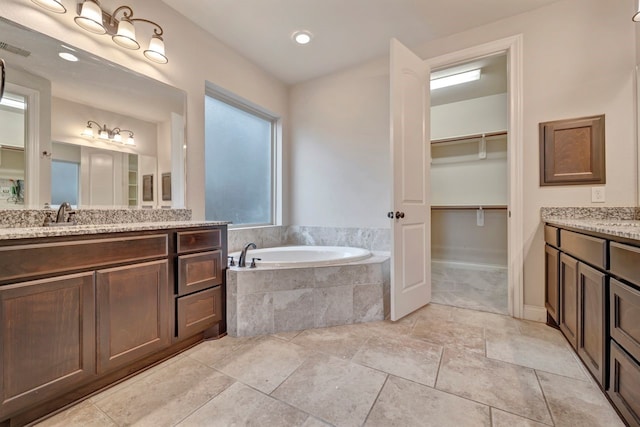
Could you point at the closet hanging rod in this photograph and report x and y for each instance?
(468, 137)
(467, 207)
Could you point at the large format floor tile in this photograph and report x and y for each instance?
(332, 389)
(404, 403)
(577, 403)
(240, 405)
(265, 364)
(402, 356)
(505, 386)
(429, 368)
(165, 397)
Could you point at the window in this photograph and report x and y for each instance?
(64, 182)
(239, 162)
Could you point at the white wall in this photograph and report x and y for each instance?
(579, 59)
(12, 125)
(472, 116)
(194, 56)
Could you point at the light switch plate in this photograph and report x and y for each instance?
(597, 194)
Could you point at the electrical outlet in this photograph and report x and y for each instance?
(597, 194)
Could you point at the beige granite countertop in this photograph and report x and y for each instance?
(614, 227)
(77, 230)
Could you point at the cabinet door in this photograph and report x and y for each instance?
(199, 271)
(199, 311)
(623, 388)
(47, 338)
(552, 300)
(132, 313)
(569, 298)
(591, 320)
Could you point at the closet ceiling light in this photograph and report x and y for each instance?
(119, 25)
(455, 79)
(68, 56)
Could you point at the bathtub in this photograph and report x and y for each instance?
(304, 256)
(303, 287)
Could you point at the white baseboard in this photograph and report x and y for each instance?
(535, 313)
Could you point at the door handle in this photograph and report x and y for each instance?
(390, 215)
(399, 214)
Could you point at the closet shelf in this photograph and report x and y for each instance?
(467, 207)
(469, 137)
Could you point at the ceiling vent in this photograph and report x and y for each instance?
(14, 49)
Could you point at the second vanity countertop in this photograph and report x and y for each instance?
(629, 229)
(78, 230)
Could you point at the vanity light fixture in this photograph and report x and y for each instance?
(51, 5)
(93, 18)
(636, 17)
(110, 135)
(455, 79)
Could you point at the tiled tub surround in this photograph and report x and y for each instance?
(374, 239)
(267, 301)
(20, 218)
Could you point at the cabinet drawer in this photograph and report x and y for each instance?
(199, 311)
(190, 241)
(552, 235)
(625, 261)
(49, 258)
(199, 271)
(623, 389)
(625, 317)
(586, 248)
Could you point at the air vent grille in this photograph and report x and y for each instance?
(14, 49)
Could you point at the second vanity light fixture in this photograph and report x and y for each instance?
(110, 135)
(92, 18)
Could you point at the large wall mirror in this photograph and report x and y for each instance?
(47, 154)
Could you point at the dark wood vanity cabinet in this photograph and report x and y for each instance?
(47, 338)
(568, 291)
(592, 333)
(79, 313)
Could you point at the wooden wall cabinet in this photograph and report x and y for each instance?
(47, 338)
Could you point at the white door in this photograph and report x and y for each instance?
(100, 177)
(410, 163)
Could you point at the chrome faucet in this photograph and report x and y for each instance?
(242, 262)
(62, 211)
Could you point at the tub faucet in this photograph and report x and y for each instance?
(242, 262)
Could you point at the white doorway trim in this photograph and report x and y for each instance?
(31, 143)
(515, 240)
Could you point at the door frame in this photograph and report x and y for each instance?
(515, 222)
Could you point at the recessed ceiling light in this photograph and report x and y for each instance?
(68, 56)
(302, 37)
(455, 79)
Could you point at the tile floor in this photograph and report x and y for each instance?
(440, 366)
(469, 286)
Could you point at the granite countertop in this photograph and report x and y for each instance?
(78, 230)
(629, 229)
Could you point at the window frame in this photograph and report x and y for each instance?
(220, 94)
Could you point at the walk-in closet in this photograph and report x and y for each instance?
(469, 182)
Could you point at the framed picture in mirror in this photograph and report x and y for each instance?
(147, 188)
(166, 186)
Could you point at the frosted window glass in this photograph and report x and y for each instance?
(238, 165)
(64, 182)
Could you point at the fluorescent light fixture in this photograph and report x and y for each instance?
(68, 56)
(455, 79)
(302, 37)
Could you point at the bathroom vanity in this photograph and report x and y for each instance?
(593, 295)
(85, 306)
